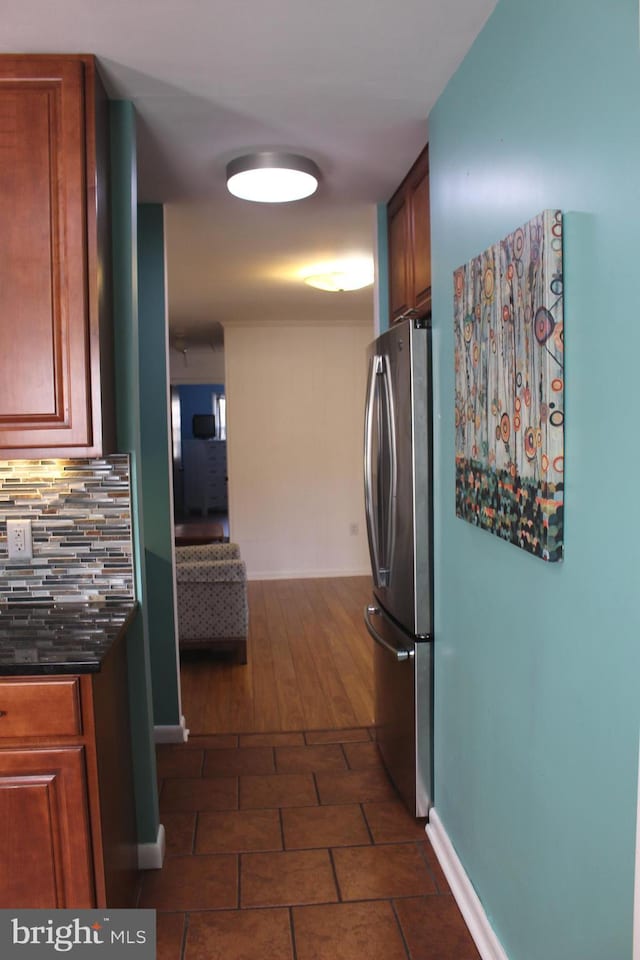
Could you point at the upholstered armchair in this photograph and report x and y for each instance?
(213, 612)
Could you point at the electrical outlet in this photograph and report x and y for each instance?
(26, 656)
(19, 542)
(353, 529)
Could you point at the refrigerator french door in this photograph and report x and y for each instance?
(398, 501)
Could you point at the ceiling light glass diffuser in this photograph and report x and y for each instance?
(350, 276)
(271, 177)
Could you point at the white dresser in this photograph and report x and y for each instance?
(205, 475)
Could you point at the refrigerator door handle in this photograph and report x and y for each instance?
(382, 547)
(399, 653)
(375, 369)
(393, 480)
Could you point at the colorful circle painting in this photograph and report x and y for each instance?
(530, 443)
(489, 283)
(557, 418)
(543, 324)
(505, 427)
(518, 243)
(509, 371)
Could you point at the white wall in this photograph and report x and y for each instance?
(295, 407)
(198, 365)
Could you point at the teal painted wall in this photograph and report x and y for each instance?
(125, 296)
(155, 452)
(382, 266)
(537, 704)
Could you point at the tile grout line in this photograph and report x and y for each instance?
(185, 932)
(317, 789)
(194, 832)
(366, 821)
(335, 875)
(399, 926)
(422, 844)
(292, 930)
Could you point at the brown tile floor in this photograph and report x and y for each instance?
(294, 847)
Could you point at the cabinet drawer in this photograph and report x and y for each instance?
(40, 708)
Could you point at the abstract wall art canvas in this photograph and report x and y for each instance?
(509, 377)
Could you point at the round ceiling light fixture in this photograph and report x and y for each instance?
(345, 275)
(271, 177)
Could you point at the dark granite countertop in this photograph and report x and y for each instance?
(61, 638)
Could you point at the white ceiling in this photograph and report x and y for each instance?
(348, 83)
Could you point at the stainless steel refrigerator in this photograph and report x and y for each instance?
(398, 500)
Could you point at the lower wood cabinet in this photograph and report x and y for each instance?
(45, 847)
(67, 818)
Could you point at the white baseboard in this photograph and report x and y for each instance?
(304, 574)
(151, 855)
(171, 734)
(489, 947)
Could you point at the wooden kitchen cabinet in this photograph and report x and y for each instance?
(44, 829)
(67, 818)
(409, 244)
(56, 396)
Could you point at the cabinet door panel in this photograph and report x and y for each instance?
(27, 302)
(399, 257)
(44, 829)
(28, 814)
(409, 243)
(45, 389)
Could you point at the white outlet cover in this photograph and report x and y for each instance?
(19, 541)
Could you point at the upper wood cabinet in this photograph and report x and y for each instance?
(409, 243)
(56, 396)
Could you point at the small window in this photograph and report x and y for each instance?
(222, 416)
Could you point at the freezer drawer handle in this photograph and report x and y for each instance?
(370, 611)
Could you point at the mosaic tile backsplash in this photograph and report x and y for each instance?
(80, 512)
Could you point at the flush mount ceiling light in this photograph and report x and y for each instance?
(346, 276)
(271, 177)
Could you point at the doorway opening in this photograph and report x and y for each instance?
(199, 453)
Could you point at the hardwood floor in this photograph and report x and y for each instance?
(310, 663)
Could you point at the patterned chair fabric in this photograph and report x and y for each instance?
(208, 551)
(213, 610)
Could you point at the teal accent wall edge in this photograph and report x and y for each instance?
(382, 265)
(155, 453)
(537, 666)
(125, 298)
